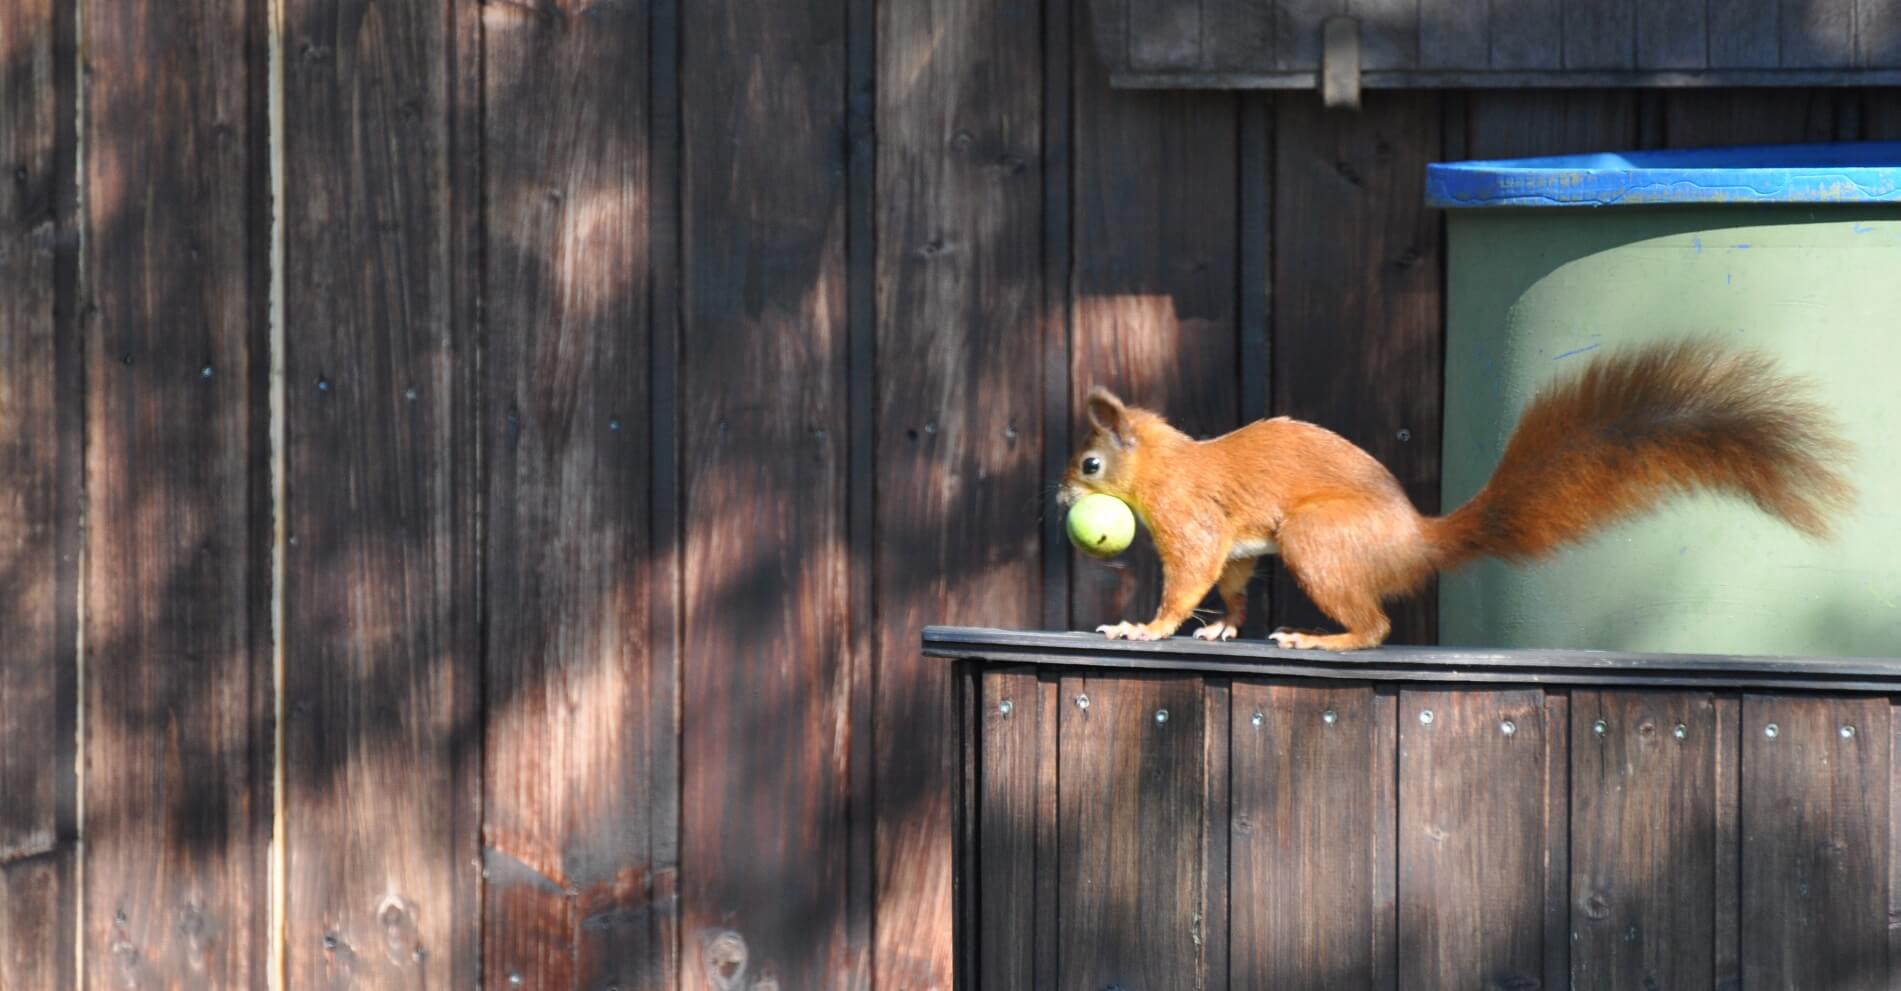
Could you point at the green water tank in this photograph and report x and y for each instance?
(1794, 251)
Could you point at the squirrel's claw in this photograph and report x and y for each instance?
(1128, 631)
(1218, 630)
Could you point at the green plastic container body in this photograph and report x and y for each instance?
(1532, 293)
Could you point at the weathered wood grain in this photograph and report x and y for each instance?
(1297, 31)
(1816, 34)
(568, 664)
(1815, 775)
(1303, 816)
(1673, 34)
(1472, 782)
(1153, 292)
(763, 386)
(667, 606)
(40, 403)
(1383, 839)
(380, 594)
(1389, 33)
(1064, 43)
(960, 401)
(1714, 118)
(1600, 34)
(1458, 35)
(1131, 777)
(1217, 777)
(1358, 326)
(1526, 34)
(1164, 35)
(1877, 33)
(177, 798)
(1643, 839)
(1235, 34)
(1727, 965)
(1742, 34)
(1011, 721)
(1527, 123)
(1557, 840)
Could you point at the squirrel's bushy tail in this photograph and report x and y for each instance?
(1636, 427)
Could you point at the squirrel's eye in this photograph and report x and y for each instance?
(1092, 465)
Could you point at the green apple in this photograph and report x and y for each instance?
(1101, 525)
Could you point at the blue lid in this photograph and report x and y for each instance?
(1858, 172)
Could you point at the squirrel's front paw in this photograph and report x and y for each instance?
(1128, 631)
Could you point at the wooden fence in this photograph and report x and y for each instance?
(475, 473)
(1194, 815)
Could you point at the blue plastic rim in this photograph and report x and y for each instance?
(1856, 172)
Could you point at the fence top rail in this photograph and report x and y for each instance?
(1714, 672)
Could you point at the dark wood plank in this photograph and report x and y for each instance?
(1214, 929)
(764, 387)
(1129, 824)
(1815, 826)
(1153, 301)
(1012, 732)
(1383, 838)
(1894, 849)
(1049, 698)
(959, 400)
(1557, 841)
(1357, 318)
(1453, 79)
(1742, 34)
(176, 679)
(1881, 114)
(861, 333)
(665, 576)
(381, 637)
(1713, 118)
(1472, 779)
(1297, 31)
(1455, 35)
(1816, 34)
(1106, 24)
(39, 497)
(1389, 33)
(1527, 34)
(1062, 46)
(565, 791)
(1600, 34)
(1727, 965)
(1877, 34)
(1163, 35)
(1643, 831)
(1673, 34)
(1237, 34)
(1526, 123)
(1303, 816)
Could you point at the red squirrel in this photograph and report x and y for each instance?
(1612, 441)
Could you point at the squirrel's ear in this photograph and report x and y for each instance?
(1107, 414)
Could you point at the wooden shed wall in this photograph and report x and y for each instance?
(476, 474)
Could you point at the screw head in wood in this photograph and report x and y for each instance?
(1600, 727)
(1404, 435)
(1508, 727)
(1257, 719)
(1082, 701)
(1680, 731)
(1425, 717)
(1848, 732)
(515, 979)
(204, 372)
(1772, 731)
(1330, 717)
(1161, 715)
(1004, 707)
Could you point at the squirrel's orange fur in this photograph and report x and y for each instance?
(1613, 441)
